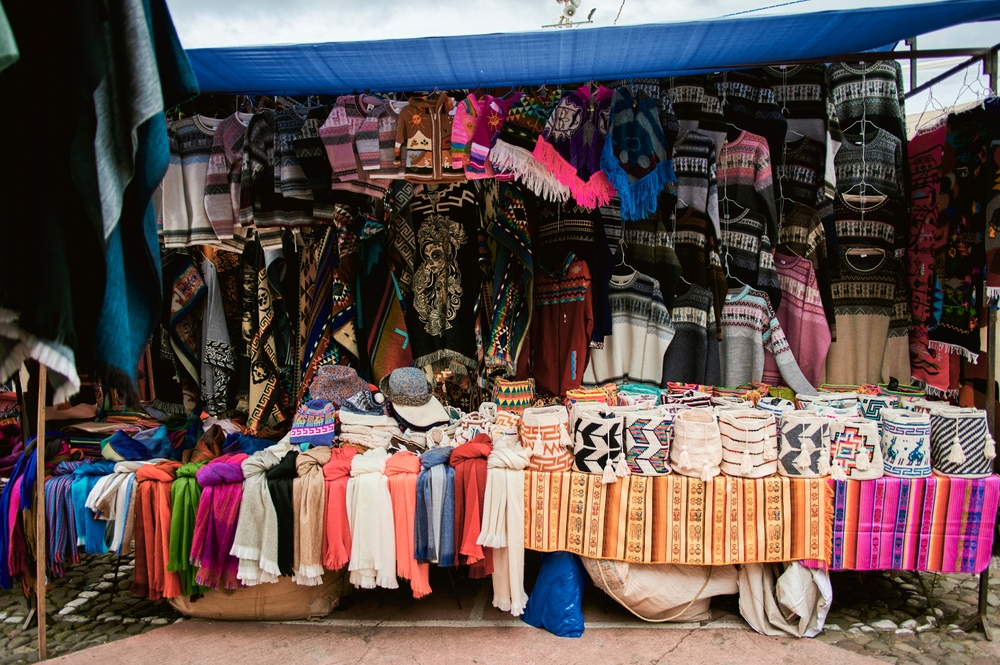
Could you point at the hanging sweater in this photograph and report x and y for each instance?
(875, 158)
(697, 251)
(873, 90)
(697, 105)
(694, 165)
(881, 222)
(222, 178)
(746, 249)
(799, 171)
(749, 103)
(648, 247)
(744, 175)
(693, 354)
(872, 307)
(185, 220)
(641, 331)
(802, 235)
(749, 329)
(352, 135)
(423, 140)
(802, 318)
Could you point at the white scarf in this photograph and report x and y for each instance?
(369, 513)
(256, 541)
(503, 526)
(107, 499)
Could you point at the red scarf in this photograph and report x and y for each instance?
(401, 470)
(337, 529)
(469, 461)
(152, 532)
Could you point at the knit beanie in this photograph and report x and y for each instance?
(315, 422)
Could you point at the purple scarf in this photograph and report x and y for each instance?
(215, 525)
(60, 518)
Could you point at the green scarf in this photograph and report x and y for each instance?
(184, 495)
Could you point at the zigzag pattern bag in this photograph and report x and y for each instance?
(647, 442)
(546, 431)
(906, 443)
(961, 444)
(805, 445)
(599, 444)
(749, 443)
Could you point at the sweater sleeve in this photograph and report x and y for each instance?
(461, 133)
(775, 342)
(764, 185)
(713, 362)
(402, 135)
(176, 221)
(337, 140)
(219, 204)
(712, 202)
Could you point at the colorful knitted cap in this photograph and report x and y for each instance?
(315, 422)
(337, 384)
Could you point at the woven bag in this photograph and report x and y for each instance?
(691, 398)
(696, 450)
(870, 406)
(578, 395)
(906, 443)
(599, 444)
(507, 419)
(805, 445)
(749, 443)
(855, 449)
(961, 444)
(632, 394)
(776, 406)
(546, 431)
(835, 405)
(514, 396)
(647, 442)
(919, 404)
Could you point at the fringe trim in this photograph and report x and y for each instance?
(938, 392)
(992, 292)
(57, 358)
(549, 157)
(955, 349)
(519, 162)
(594, 193)
(639, 198)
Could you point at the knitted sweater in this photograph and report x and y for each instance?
(697, 251)
(693, 354)
(697, 105)
(746, 249)
(423, 140)
(353, 138)
(802, 235)
(802, 318)
(641, 331)
(185, 219)
(694, 165)
(749, 103)
(222, 178)
(882, 222)
(799, 171)
(872, 306)
(876, 158)
(749, 329)
(873, 90)
(648, 247)
(744, 175)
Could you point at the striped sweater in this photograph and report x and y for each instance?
(693, 354)
(222, 180)
(803, 235)
(875, 158)
(184, 217)
(694, 165)
(873, 90)
(802, 319)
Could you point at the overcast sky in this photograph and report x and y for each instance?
(208, 23)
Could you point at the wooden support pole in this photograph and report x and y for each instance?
(41, 557)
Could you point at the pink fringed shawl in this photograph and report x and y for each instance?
(215, 525)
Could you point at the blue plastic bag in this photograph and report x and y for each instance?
(556, 601)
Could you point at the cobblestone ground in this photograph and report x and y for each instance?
(898, 617)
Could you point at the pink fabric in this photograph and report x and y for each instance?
(802, 317)
(215, 524)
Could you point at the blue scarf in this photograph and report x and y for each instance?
(434, 527)
(89, 530)
(128, 448)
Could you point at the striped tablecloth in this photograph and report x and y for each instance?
(676, 519)
(936, 524)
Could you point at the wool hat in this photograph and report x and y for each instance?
(365, 409)
(410, 396)
(315, 422)
(337, 384)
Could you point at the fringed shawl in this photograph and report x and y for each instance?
(215, 525)
(308, 499)
(401, 470)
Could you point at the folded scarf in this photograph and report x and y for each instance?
(157, 441)
(185, 495)
(152, 532)
(109, 500)
(243, 443)
(209, 446)
(89, 532)
(215, 525)
(308, 499)
(469, 462)
(120, 446)
(337, 529)
(369, 511)
(257, 528)
(434, 531)
(280, 479)
(636, 157)
(401, 470)
(570, 146)
(503, 526)
(61, 522)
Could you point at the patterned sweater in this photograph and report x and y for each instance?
(882, 222)
(803, 235)
(423, 140)
(354, 136)
(694, 165)
(641, 331)
(744, 175)
(693, 354)
(185, 220)
(749, 329)
(799, 171)
(749, 103)
(871, 301)
(222, 179)
(876, 158)
(648, 246)
(746, 250)
(873, 90)
(697, 251)
(802, 319)
(697, 105)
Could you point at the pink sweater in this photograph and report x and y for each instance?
(802, 317)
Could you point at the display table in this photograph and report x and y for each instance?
(936, 524)
(676, 519)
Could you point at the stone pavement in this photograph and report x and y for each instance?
(897, 617)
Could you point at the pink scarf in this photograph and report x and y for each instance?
(215, 526)
(402, 470)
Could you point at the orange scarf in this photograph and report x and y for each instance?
(337, 528)
(152, 531)
(402, 470)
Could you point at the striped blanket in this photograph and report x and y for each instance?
(676, 519)
(936, 524)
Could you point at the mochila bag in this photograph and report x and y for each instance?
(546, 431)
(576, 396)
(804, 450)
(599, 444)
(776, 406)
(691, 398)
(514, 396)
(730, 403)
(633, 394)
(856, 449)
(919, 404)
(906, 443)
(961, 444)
(696, 450)
(836, 405)
(647, 442)
(749, 443)
(870, 406)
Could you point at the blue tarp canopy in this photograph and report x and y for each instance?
(573, 55)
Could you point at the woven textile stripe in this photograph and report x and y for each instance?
(676, 519)
(936, 524)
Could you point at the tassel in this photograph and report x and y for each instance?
(621, 467)
(956, 455)
(861, 462)
(990, 449)
(824, 464)
(564, 437)
(706, 473)
(838, 472)
(539, 447)
(609, 474)
(746, 464)
(770, 449)
(804, 458)
(684, 460)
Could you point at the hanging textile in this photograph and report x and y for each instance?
(185, 494)
(215, 524)
(402, 470)
(152, 532)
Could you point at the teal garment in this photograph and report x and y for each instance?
(8, 45)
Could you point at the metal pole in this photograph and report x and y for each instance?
(912, 43)
(40, 544)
